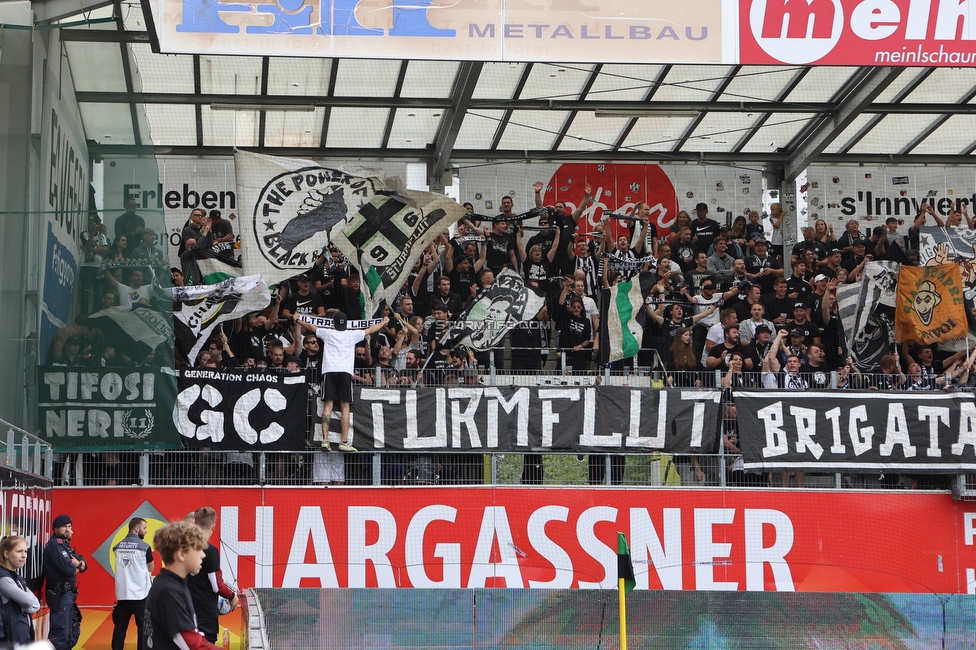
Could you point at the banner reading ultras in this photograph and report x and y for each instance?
(857, 431)
(857, 32)
(601, 30)
(701, 540)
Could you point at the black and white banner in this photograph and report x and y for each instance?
(199, 309)
(241, 409)
(518, 419)
(857, 431)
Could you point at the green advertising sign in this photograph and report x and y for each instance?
(88, 409)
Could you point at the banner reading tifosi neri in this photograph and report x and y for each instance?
(857, 431)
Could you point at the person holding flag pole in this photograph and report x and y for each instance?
(625, 583)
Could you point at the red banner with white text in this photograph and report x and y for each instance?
(559, 538)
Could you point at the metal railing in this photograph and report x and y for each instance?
(25, 453)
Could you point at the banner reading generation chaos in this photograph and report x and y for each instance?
(857, 431)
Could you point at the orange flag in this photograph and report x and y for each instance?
(930, 305)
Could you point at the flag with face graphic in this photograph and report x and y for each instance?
(930, 306)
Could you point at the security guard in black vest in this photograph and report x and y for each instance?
(61, 566)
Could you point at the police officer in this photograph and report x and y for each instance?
(61, 566)
(133, 579)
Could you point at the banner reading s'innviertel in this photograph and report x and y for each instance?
(857, 431)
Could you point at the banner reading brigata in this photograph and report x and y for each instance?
(558, 538)
(856, 32)
(513, 418)
(857, 431)
(106, 408)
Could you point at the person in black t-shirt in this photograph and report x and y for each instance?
(208, 583)
(703, 229)
(171, 622)
(719, 355)
(303, 301)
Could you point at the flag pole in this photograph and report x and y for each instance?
(622, 591)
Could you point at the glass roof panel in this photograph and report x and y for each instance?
(96, 14)
(414, 128)
(357, 127)
(293, 129)
(944, 85)
(160, 73)
(366, 78)
(107, 123)
(777, 132)
(719, 131)
(171, 125)
(96, 66)
(230, 128)
(143, 136)
(841, 140)
(429, 79)
(946, 139)
(556, 81)
(691, 83)
(478, 129)
(591, 133)
(906, 77)
(757, 83)
(532, 129)
(656, 133)
(298, 76)
(624, 82)
(498, 80)
(893, 133)
(230, 75)
(820, 84)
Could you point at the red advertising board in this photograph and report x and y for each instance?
(557, 538)
(857, 32)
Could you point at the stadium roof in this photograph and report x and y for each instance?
(136, 101)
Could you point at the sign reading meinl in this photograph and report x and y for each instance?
(857, 431)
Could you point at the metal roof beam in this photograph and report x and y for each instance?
(918, 139)
(503, 123)
(568, 123)
(758, 124)
(391, 116)
(104, 35)
(625, 133)
(865, 90)
(690, 129)
(52, 11)
(465, 82)
(333, 73)
(874, 121)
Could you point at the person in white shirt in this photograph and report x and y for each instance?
(338, 366)
(132, 293)
(133, 580)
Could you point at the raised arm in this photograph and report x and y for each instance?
(551, 255)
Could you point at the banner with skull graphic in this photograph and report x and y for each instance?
(931, 304)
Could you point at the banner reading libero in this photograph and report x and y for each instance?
(515, 537)
(599, 30)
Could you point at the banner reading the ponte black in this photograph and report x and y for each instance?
(521, 418)
(857, 431)
(238, 409)
(89, 409)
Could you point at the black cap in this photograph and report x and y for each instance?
(799, 304)
(858, 242)
(339, 320)
(61, 520)
(303, 276)
(796, 331)
(763, 328)
(762, 241)
(701, 206)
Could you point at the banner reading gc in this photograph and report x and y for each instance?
(852, 431)
(512, 418)
(106, 408)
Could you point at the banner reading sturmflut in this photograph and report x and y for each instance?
(106, 408)
(857, 431)
(513, 418)
(238, 409)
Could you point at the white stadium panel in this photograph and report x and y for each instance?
(414, 128)
(230, 128)
(893, 133)
(953, 137)
(618, 82)
(556, 81)
(478, 129)
(160, 73)
(841, 140)
(719, 131)
(944, 85)
(230, 75)
(293, 128)
(757, 83)
(778, 131)
(820, 84)
(171, 125)
(532, 129)
(366, 78)
(429, 79)
(107, 123)
(691, 83)
(356, 127)
(591, 133)
(298, 76)
(498, 80)
(96, 67)
(656, 133)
